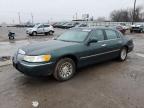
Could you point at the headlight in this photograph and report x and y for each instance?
(42, 58)
(20, 51)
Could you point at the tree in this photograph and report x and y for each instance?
(126, 15)
(101, 19)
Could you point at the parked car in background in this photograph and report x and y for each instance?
(70, 25)
(124, 26)
(40, 29)
(59, 24)
(137, 28)
(82, 25)
(76, 48)
(119, 28)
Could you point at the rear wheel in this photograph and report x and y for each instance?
(64, 69)
(11, 37)
(123, 54)
(34, 33)
(131, 31)
(140, 31)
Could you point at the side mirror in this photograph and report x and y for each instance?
(92, 41)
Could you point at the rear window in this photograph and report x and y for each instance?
(98, 35)
(46, 25)
(111, 34)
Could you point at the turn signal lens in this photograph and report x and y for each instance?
(42, 58)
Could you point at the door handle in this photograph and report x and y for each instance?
(103, 45)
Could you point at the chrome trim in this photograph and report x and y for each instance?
(109, 40)
(35, 65)
(104, 45)
(99, 54)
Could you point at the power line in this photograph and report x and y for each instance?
(32, 17)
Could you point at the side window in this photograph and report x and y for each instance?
(111, 34)
(41, 26)
(46, 25)
(98, 35)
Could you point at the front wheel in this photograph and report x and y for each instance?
(51, 32)
(11, 37)
(64, 69)
(123, 54)
(46, 33)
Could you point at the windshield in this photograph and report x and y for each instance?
(36, 26)
(73, 36)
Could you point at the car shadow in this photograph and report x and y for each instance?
(80, 73)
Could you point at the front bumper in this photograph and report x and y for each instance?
(34, 69)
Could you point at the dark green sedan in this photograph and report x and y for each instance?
(75, 48)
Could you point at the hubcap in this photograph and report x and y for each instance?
(66, 70)
(123, 54)
(50, 33)
(34, 33)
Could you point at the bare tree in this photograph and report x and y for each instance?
(101, 19)
(126, 15)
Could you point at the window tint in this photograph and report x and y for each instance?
(111, 34)
(98, 35)
(41, 26)
(46, 25)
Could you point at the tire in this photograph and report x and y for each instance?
(140, 31)
(30, 35)
(11, 37)
(131, 31)
(123, 54)
(64, 69)
(46, 33)
(50, 32)
(34, 33)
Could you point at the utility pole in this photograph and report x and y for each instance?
(32, 18)
(13, 21)
(76, 15)
(19, 17)
(134, 12)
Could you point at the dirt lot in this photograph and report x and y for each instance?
(110, 84)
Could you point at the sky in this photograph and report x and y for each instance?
(58, 10)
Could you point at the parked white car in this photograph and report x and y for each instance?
(40, 29)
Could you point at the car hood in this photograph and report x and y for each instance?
(46, 47)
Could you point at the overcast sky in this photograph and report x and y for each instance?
(55, 10)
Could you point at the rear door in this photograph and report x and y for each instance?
(46, 28)
(113, 43)
(40, 29)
